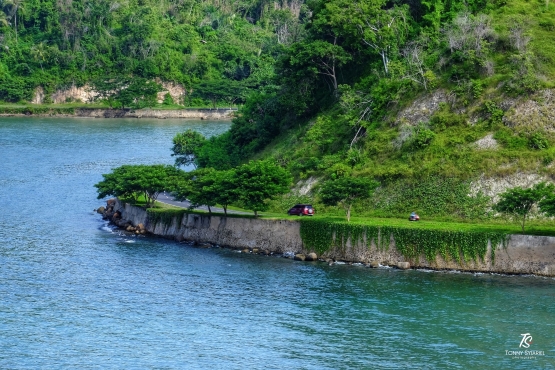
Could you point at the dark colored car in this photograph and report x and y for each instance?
(301, 210)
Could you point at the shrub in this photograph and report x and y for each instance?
(444, 118)
(538, 141)
(168, 100)
(423, 138)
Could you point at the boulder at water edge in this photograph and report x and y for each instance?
(299, 257)
(312, 257)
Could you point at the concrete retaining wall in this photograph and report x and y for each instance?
(524, 254)
(209, 114)
(204, 114)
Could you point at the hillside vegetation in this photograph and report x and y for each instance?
(54, 44)
(446, 104)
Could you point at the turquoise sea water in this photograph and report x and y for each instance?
(75, 294)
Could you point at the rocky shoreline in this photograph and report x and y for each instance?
(203, 114)
(522, 254)
(114, 215)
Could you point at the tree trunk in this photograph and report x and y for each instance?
(523, 222)
(349, 213)
(225, 210)
(385, 61)
(209, 210)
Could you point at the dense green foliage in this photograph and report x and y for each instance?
(54, 44)
(345, 191)
(519, 202)
(196, 187)
(475, 57)
(133, 181)
(259, 181)
(324, 85)
(459, 246)
(185, 146)
(250, 186)
(373, 55)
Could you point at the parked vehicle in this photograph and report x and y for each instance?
(301, 210)
(414, 217)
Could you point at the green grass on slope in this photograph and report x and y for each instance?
(538, 19)
(547, 228)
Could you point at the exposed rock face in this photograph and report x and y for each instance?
(304, 187)
(532, 114)
(487, 142)
(493, 186)
(176, 91)
(84, 94)
(38, 96)
(422, 108)
(527, 114)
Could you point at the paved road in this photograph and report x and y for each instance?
(168, 199)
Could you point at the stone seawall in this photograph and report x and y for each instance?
(209, 114)
(204, 114)
(524, 254)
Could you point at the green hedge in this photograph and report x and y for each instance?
(460, 246)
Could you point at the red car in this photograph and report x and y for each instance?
(301, 210)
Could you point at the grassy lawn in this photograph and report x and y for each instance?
(541, 227)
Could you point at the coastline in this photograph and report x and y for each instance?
(203, 114)
(522, 254)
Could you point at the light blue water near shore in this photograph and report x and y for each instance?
(74, 294)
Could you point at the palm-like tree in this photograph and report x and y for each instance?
(3, 19)
(13, 7)
(39, 53)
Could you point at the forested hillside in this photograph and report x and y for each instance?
(444, 103)
(56, 43)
